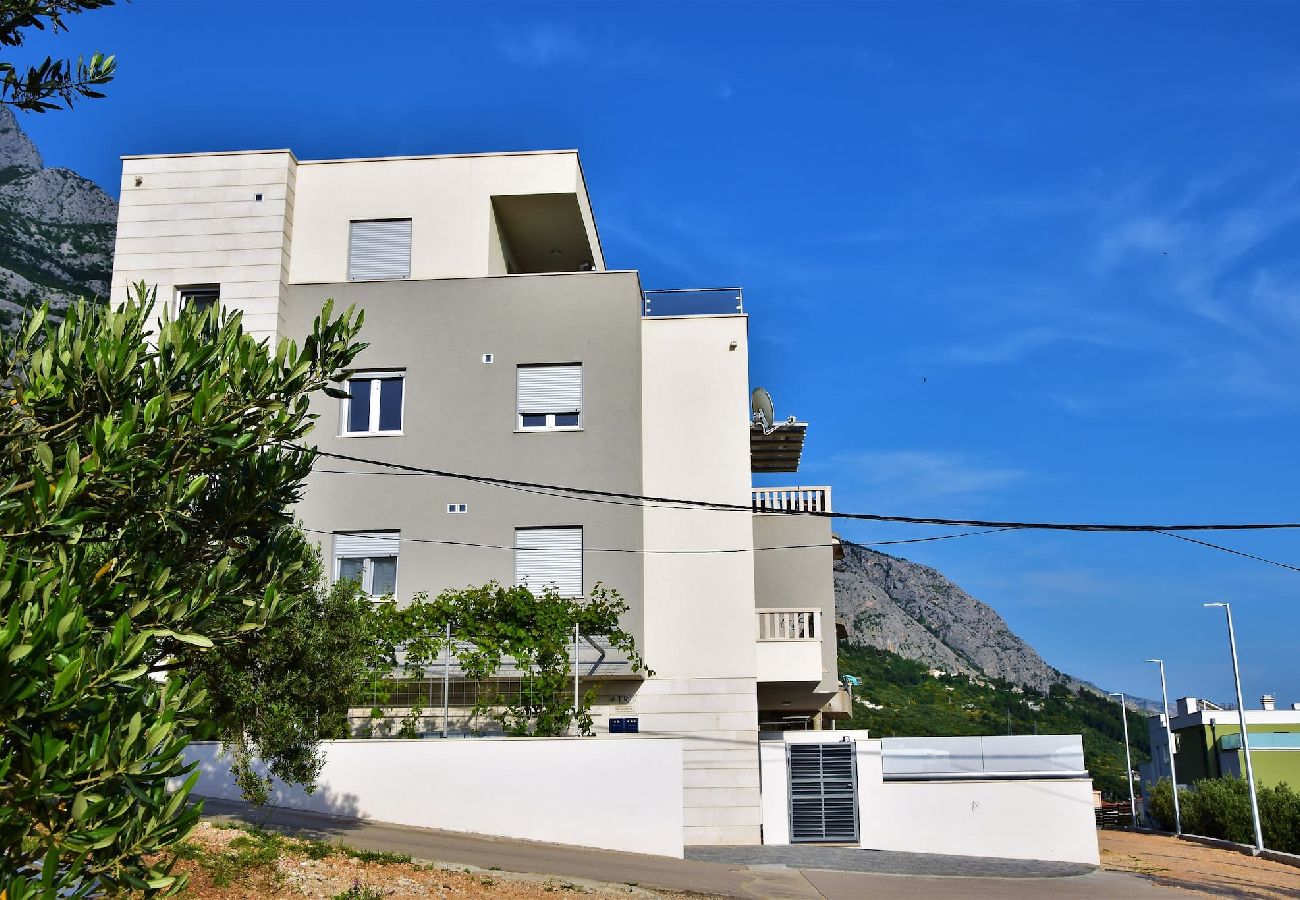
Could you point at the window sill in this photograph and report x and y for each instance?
(548, 430)
(372, 434)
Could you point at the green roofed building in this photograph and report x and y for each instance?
(1207, 743)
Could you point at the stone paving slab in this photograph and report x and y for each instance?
(886, 862)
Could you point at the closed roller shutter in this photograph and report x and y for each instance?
(368, 543)
(550, 389)
(549, 556)
(379, 250)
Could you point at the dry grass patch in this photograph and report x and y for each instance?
(225, 862)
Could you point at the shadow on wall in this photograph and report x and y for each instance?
(215, 781)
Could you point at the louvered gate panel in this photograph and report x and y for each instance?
(823, 793)
(379, 250)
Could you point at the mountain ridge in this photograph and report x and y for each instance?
(917, 612)
(56, 230)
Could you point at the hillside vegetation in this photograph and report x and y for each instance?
(56, 231)
(913, 703)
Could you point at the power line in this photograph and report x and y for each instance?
(642, 551)
(1262, 559)
(597, 495)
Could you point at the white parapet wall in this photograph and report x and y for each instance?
(1008, 797)
(607, 793)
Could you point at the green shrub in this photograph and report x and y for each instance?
(1220, 808)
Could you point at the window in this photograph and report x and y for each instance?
(550, 397)
(368, 558)
(379, 250)
(549, 557)
(200, 299)
(374, 403)
(457, 509)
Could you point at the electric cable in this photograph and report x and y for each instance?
(1271, 562)
(642, 551)
(681, 503)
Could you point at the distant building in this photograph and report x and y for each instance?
(1207, 743)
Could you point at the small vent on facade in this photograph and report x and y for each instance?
(457, 508)
(257, 198)
(487, 358)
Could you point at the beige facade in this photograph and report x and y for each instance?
(494, 266)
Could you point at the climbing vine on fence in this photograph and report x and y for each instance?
(494, 624)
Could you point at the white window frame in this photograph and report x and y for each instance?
(550, 416)
(375, 378)
(367, 561)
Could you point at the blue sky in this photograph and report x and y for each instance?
(1010, 261)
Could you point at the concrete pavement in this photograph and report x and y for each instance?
(780, 875)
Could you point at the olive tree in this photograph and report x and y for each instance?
(147, 474)
(44, 86)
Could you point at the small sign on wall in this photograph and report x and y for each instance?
(625, 725)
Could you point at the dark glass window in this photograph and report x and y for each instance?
(383, 575)
(359, 405)
(351, 569)
(566, 420)
(534, 420)
(390, 404)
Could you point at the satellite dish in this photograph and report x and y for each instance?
(760, 407)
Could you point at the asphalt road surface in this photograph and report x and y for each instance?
(776, 872)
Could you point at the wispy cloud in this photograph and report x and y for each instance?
(922, 479)
(544, 44)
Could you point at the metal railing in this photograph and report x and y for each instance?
(789, 624)
(792, 499)
(720, 301)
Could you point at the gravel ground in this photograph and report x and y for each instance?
(1195, 867)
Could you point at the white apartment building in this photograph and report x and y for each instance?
(501, 345)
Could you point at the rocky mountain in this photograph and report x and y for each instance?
(916, 612)
(56, 230)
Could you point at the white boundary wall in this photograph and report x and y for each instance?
(1029, 818)
(608, 793)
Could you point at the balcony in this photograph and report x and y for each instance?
(792, 499)
(790, 645)
(728, 301)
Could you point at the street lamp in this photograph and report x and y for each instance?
(1241, 716)
(1169, 741)
(1128, 760)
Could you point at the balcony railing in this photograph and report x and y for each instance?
(792, 499)
(693, 302)
(789, 624)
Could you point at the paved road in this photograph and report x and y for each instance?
(775, 877)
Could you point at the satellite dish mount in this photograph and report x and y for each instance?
(760, 409)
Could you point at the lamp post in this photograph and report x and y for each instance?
(1241, 716)
(1169, 741)
(1128, 760)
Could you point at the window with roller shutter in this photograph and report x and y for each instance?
(368, 558)
(379, 250)
(546, 557)
(549, 397)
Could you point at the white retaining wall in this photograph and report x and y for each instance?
(1025, 818)
(608, 793)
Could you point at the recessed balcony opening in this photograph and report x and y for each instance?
(541, 233)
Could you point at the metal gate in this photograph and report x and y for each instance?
(823, 792)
